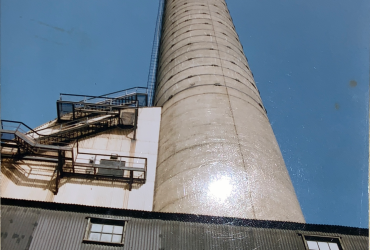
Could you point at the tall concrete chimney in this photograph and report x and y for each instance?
(217, 152)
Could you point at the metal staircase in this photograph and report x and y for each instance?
(71, 106)
(80, 116)
(88, 126)
(20, 142)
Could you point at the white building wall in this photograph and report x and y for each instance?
(34, 181)
(27, 180)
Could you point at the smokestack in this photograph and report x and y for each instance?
(217, 154)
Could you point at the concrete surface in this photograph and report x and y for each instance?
(217, 152)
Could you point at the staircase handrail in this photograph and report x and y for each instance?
(136, 91)
(31, 133)
(66, 124)
(18, 127)
(106, 96)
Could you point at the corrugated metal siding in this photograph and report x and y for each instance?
(42, 229)
(284, 239)
(59, 231)
(17, 227)
(65, 230)
(207, 236)
(143, 234)
(355, 242)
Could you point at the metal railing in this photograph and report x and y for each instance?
(130, 91)
(16, 126)
(119, 167)
(70, 161)
(72, 106)
(95, 161)
(107, 98)
(30, 134)
(69, 125)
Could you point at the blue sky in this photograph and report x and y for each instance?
(310, 60)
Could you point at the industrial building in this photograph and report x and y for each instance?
(190, 162)
(47, 225)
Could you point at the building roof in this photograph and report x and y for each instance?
(203, 219)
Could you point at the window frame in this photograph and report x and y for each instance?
(321, 238)
(103, 221)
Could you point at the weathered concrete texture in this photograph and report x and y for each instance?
(217, 152)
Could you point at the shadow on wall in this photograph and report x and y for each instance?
(43, 176)
(128, 133)
(29, 174)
